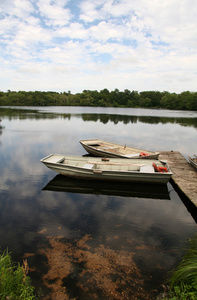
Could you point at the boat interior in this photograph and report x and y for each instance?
(128, 152)
(108, 166)
(114, 149)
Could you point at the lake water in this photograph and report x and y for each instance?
(85, 240)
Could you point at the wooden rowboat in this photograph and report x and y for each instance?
(113, 169)
(193, 161)
(98, 147)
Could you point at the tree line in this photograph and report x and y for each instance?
(147, 99)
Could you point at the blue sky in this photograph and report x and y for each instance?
(95, 44)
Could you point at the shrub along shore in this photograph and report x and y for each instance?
(14, 282)
(182, 284)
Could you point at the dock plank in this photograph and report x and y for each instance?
(184, 174)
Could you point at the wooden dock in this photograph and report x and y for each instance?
(184, 174)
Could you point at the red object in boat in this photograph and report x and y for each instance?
(160, 169)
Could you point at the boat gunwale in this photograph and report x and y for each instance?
(192, 161)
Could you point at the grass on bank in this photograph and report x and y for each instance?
(183, 281)
(14, 282)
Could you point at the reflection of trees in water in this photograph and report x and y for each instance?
(1, 129)
(104, 118)
(23, 114)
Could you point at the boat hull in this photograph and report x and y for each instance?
(118, 172)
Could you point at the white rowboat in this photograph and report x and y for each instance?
(113, 169)
(98, 147)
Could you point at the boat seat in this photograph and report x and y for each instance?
(54, 159)
(88, 166)
(132, 155)
(109, 148)
(147, 169)
(112, 147)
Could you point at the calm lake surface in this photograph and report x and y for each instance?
(85, 240)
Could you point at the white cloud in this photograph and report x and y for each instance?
(72, 31)
(55, 13)
(28, 35)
